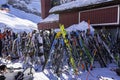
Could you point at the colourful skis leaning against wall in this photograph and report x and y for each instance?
(72, 61)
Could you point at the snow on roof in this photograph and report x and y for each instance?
(75, 4)
(15, 23)
(51, 18)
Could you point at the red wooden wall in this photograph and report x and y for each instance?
(68, 19)
(106, 16)
(45, 7)
(49, 25)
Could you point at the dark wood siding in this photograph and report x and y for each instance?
(45, 7)
(52, 25)
(101, 16)
(68, 19)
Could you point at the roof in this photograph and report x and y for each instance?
(52, 21)
(51, 18)
(83, 5)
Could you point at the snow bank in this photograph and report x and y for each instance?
(24, 15)
(75, 4)
(34, 6)
(83, 26)
(15, 23)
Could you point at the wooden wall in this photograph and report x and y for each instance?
(68, 19)
(101, 16)
(45, 7)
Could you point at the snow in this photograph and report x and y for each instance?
(35, 5)
(19, 20)
(40, 76)
(8, 20)
(82, 26)
(100, 72)
(75, 4)
(15, 65)
(15, 23)
(51, 18)
(24, 15)
(105, 73)
(3, 1)
(47, 74)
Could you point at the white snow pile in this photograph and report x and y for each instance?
(16, 24)
(75, 4)
(51, 18)
(82, 26)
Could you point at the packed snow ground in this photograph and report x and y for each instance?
(95, 74)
